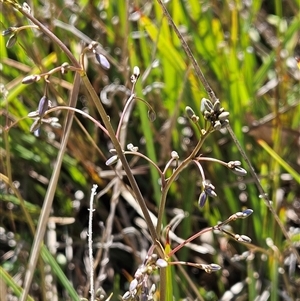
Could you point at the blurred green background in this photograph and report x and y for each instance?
(248, 52)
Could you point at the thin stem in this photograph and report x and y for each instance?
(53, 37)
(189, 53)
(80, 112)
(125, 111)
(146, 158)
(189, 240)
(174, 175)
(90, 242)
(121, 156)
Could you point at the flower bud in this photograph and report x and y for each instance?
(202, 199)
(136, 71)
(36, 125)
(43, 106)
(217, 106)
(161, 263)
(102, 60)
(206, 105)
(9, 30)
(223, 116)
(151, 115)
(30, 79)
(112, 160)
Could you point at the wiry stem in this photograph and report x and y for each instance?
(90, 243)
(121, 156)
(175, 174)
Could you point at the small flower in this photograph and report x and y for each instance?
(189, 111)
(9, 31)
(202, 199)
(31, 79)
(217, 106)
(214, 113)
(235, 167)
(133, 285)
(64, 68)
(136, 71)
(151, 115)
(223, 116)
(33, 114)
(161, 263)
(112, 160)
(207, 105)
(232, 164)
(209, 189)
(132, 148)
(126, 296)
(36, 125)
(247, 212)
(102, 60)
(214, 267)
(174, 155)
(43, 106)
(242, 238)
(217, 125)
(54, 122)
(191, 114)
